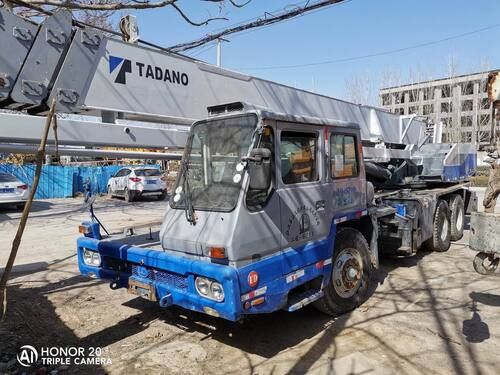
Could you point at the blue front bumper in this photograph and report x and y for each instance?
(169, 275)
(171, 279)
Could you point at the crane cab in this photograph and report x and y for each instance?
(256, 183)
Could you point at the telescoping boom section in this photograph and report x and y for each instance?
(274, 211)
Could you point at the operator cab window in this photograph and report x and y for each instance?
(343, 156)
(298, 157)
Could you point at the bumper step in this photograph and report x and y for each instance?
(304, 299)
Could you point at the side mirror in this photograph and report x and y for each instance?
(259, 169)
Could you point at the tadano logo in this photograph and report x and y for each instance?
(145, 71)
(27, 356)
(126, 67)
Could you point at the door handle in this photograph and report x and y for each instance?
(320, 205)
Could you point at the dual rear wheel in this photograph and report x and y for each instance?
(448, 224)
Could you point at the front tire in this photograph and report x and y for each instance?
(351, 277)
(110, 191)
(457, 217)
(441, 229)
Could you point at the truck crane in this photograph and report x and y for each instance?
(284, 198)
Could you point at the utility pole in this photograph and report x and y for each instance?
(219, 50)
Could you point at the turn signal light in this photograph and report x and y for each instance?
(217, 252)
(83, 229)
(258, 301)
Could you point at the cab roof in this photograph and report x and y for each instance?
(239, 108)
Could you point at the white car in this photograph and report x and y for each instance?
(132, 183)
(13, 191)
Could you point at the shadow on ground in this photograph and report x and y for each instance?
(32, 319)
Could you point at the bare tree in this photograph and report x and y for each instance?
(358, 88)
(99, 11)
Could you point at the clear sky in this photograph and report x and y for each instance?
(354, 28)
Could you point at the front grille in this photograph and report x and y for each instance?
(164, 277)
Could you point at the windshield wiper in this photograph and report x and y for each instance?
(188, 203)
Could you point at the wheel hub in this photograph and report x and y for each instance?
(444, 230)
(347, 273)
(460, 220)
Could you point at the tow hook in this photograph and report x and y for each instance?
(166, 300)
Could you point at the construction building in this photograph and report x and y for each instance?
(460, 103)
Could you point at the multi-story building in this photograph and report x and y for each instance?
(460, 103)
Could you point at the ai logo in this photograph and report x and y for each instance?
(27, 356)
(125, 67)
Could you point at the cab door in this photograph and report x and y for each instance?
(301, 184)
(346, 172)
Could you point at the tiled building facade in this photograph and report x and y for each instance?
(461, 103)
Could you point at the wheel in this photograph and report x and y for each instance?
(162, 196)
(485, 264)
(129, 197)
(457, 217)
(441, 229)
(110, 191)
(20, 206)
(349, 282)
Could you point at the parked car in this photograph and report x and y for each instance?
(132, 183)
(12, 190)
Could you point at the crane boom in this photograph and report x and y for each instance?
(87, 72)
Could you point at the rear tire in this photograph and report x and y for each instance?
(129, 197)
(20, 206)
(162, 196)
(457, 217)
(350, 282)
(441, 229)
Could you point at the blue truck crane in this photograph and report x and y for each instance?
(284, 197)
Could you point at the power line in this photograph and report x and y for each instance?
(376, 54)
(289, 6)
(267, 20)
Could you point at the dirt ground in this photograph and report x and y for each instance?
(431, 314)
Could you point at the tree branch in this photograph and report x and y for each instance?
(233, 3)
(188, 20)
(112, 6)
(102, 6)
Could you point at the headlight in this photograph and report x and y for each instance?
(210, 289)
(202, 286)
(217, 291)
(91, 258)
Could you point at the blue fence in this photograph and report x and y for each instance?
(63, 181)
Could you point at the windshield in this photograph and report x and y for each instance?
(147, 172)
(212, 163)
